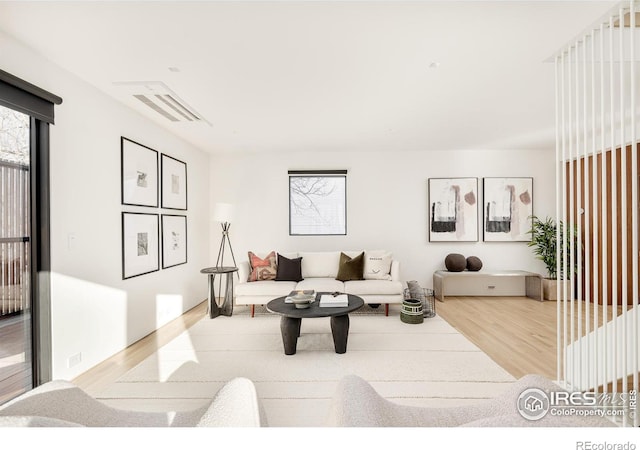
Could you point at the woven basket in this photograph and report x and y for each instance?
(411, 311)
(428, 300)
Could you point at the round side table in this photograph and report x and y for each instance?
(226, 309)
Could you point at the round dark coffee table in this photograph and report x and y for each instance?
(291, 319)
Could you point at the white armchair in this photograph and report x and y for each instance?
(61, 403)
(357, 404)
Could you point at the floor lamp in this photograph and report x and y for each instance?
(222, 212)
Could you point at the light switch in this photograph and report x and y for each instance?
(71, 241)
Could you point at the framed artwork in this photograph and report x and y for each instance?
(317, 202)
(508, 207)
(140, 244)
(139, 174)
(174, 240)
(453, 209)
(174, 183)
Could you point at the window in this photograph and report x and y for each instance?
(317, 202)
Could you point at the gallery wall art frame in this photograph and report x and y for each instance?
(139, 174)
(174, 240)
(174, 183)
(507, 209)
(453, 209)
(317, 202)
(140, 244)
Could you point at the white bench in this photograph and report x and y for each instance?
(487, 283)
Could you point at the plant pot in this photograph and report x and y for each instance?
(550, 288)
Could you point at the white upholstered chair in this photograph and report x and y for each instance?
(61, 403)
(357, 404)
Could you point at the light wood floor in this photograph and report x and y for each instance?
(518, 333)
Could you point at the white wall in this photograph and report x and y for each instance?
(386, 203)
(94, 312)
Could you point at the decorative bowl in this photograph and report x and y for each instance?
(302, 302)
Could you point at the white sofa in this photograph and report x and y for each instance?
(319, 270)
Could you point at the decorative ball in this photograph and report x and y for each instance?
(455, 262)
(474, 264)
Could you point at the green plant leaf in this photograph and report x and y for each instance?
(544, 241)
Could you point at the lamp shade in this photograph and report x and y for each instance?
(222, 212)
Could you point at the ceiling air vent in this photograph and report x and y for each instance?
(157, 96)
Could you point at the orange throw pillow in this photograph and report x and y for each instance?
(263, 269)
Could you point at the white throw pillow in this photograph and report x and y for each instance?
(320, 264)
(377, 265)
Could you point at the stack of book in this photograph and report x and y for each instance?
(334, 301)
(299, 295)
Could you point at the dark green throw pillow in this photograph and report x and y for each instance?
(351, 268)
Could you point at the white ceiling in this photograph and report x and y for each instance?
(323, 76)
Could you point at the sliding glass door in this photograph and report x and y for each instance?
(16, 375)
(26, 112)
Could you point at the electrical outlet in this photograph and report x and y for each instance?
(74, 360)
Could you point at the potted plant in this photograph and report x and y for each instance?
(543, 241)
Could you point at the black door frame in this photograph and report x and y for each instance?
(40, 254)
(34, 101)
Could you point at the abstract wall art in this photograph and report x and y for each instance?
(174, 183)
(453, 209)
(139, 174)
(508, 207)
(174, 240)
(140, 244)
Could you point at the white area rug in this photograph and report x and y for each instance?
(428, 364)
